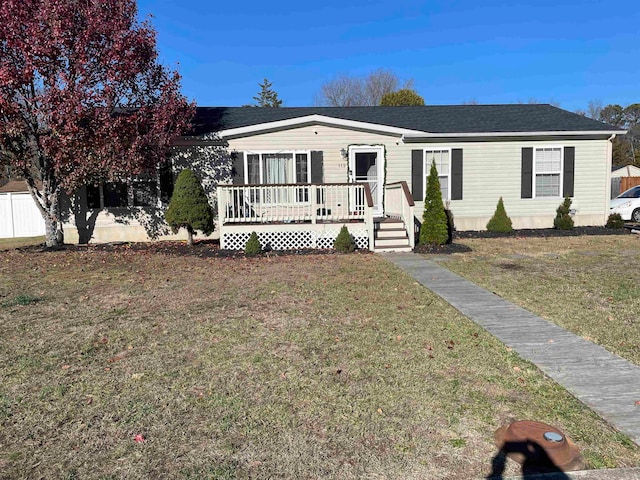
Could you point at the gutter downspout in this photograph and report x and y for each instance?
(608, 184)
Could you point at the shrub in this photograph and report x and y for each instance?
(253, 246)
(343, 242)
(563, 220)
(434, 229)
(189, 207)
(615, 221)
(500, 222)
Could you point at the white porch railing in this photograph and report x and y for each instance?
(293, 203)
(399, 204)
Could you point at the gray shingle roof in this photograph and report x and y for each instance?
(433, 118)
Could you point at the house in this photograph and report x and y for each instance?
(296, 175)
(623, 178)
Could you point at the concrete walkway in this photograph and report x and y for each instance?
(605, 382)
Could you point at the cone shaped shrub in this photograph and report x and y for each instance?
(189, 207)
(253, 246)
(615, 221)
(500, 222)
(563, 220)
(434, 229)
(343, 242)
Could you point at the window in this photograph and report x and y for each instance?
(547, 167)
(443, 165)
(144, 190)
(277, 168)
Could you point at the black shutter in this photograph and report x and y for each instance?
(417, 175)
(456, 174)
(317, 167)
(237, 168)
(526, 185)
(569, 170)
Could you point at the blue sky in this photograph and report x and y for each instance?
(492, 51)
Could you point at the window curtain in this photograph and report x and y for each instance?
(277, 168)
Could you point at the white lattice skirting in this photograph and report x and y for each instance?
(293, 240)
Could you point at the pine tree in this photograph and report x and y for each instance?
(253, 246)
(189, 207)
(500, 222)
(267, 97)
(343, 242)
(563, 220)
(434, 230)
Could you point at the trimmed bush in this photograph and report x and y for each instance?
(500, 222)
(563, 220)
(434, 229)
(189, 207)
(343, 242)
(253, 246)
(615, 221)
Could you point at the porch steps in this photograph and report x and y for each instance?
(390, 235)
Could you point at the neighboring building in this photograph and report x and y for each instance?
(296, 175)
(19, 216)
(623, 178)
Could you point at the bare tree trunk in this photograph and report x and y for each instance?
(189, 236)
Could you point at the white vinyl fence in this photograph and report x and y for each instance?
(19, 216)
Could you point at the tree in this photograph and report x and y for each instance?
(348, 91)
(189, 207)
(344, 242)
(626, 149)
(404, 96)
(563, 220)
(267, 97)
(434, 230)
(82, 97)
(500, 222)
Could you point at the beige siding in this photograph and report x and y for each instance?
(491, 170)
(329, 140)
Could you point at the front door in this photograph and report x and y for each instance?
(366, 166)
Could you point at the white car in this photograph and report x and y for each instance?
(627, 204)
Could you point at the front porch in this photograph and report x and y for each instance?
(300, 216)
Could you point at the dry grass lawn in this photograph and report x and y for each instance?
(588, 285)
(323, 366)
(7, 243)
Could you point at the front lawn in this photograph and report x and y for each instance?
(7, 243)
(328, 366)
(589, 285)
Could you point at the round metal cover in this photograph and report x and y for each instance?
(538, 444)
(553, 437)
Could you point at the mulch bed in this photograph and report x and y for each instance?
(202, 249)
(211, 248)
(542, 233)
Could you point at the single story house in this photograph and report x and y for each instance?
(623, 178)
(296, 175)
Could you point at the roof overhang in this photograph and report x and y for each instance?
(421, 137)
(316, 120)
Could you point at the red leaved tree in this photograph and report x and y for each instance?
(82, 97)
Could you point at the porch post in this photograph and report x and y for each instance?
(313, 191)
(222, 207)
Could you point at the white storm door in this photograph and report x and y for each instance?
(366, 165)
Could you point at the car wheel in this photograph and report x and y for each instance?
(635, 216)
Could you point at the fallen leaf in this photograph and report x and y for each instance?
(516, 369)
(139, 438)
(66, 367)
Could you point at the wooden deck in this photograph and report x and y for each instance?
(605, 382)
